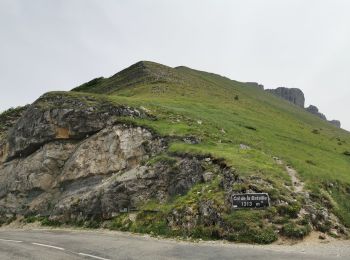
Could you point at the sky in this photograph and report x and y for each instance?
(48, 45)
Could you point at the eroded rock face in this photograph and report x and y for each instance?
(296, 96)
(255, 85)
(111, 150)
(97, 168)
(314, 110)
(79, 163)
(63, 119)
(293, 95)
(335, 123)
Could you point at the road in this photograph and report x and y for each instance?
(21, 244)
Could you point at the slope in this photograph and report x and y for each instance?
(223, 114)
(212, 136)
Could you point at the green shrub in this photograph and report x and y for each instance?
(211, 232)
(254, 235)
(121, 222)
(167, 160)
(49, 222)
(291, 210)
(292, 230)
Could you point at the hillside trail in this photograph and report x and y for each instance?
(297, 184)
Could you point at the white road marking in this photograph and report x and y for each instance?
(8, 240)
(54, 247)
(93, 256)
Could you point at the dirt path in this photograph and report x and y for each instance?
(297, 184)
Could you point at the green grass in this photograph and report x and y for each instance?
(292, 230)
(223, 114)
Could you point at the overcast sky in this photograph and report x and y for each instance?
(50, 45)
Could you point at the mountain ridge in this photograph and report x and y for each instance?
(152, 72)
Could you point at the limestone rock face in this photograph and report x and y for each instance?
(293, 95)
(296, 96)
(314, 110)
(256, 85)
(65, 118)
(72, 161)
(335, 123)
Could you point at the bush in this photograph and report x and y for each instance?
(291, 210)
(211, 232)
(121, 222)
(49, 222)
(292, 230)
(254, 235)
(347, 153)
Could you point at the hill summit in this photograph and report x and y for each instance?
(167, 151)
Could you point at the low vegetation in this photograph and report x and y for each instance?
(222, 114)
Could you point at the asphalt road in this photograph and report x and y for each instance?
(63, 244)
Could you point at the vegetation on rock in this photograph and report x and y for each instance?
(196, 122)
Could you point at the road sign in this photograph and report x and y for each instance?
(250, 200)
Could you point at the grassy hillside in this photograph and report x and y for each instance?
(223, 114)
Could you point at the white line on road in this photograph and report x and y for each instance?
(92, 256)
(55, 247)
(8, 240)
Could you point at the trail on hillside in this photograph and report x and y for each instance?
(297, 184)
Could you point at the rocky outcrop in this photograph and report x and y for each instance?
(73, 161)
(335, 123)
(255, 85)
(296, 96)
(293, 95)
(314, 110)
(56, 117)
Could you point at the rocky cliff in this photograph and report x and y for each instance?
(69, 158)
(314, 110)
(293, 95)
(297, 97)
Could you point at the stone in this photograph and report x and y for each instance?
(314, 110)
(244, 147)
(255, 85)
(335, 123)
(322, 236)
(191, 140)
(208, 176)
(293, 95)
(68, 119)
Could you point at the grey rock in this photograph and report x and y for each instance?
(65, 119)
(314, 110)
(255, 85)
(335, 123)
(293, 95)
(208, 176)
(191, 140)
(244, 147)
